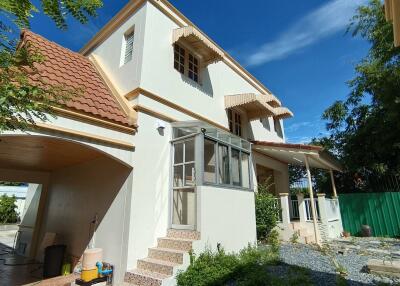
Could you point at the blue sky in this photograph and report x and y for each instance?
(299, 50)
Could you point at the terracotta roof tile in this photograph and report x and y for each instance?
(74, 71)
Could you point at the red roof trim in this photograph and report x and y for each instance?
(289, 145)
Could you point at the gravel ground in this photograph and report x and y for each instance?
(354, 259)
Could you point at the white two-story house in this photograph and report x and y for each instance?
(167, 159)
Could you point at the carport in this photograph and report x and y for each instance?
(83, 188)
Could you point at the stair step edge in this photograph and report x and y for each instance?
(150, 274)
(160, 262)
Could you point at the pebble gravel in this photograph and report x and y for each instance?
(352, 255)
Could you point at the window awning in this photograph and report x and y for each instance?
(295, 154)
(256, 105)
(200, 43)
(282, 112)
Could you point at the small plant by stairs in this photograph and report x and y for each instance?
(163, 261)
(303, 235)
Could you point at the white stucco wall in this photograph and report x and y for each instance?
(207, 99)
(110, 53)
(281, 171)
(151, 193)
(226, 216)
(77, 194)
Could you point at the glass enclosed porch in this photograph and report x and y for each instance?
(203, 155)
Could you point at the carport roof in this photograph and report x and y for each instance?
(62, 67)
(295, 154)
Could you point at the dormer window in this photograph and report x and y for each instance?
(186, 63)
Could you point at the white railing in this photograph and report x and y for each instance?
(294, 209)
(332, 209)
(307, 203)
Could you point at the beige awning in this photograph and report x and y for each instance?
(282, 112)
(200, 43)
(295, 154)
(255, 105)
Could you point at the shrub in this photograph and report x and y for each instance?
(273, 240)
(220, 268)
(267, 214)
(8, 209)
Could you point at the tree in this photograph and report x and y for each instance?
(24, 95)
(8, 209)
(365, 128)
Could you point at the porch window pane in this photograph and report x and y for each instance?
(223, 164)
(178, 153)
(189, 151)
(235, 167)
(184, 207)
(245, 170)
(209, 161)
(178, 176)
(189, 174)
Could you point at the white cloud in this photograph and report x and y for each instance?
(320, 23)
(296, 126)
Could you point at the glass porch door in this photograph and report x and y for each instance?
(184, 186)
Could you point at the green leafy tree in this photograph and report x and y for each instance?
(365, 128)
(8, 209)
(267, 210)
(24, 95)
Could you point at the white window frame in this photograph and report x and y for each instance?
(235, 120)
(189, 52)
(129, 32)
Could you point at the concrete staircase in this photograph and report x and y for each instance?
(163, 261)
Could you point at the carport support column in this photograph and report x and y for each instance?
(302, 208)
(322, 208)
(310, 192)
(285, 208)
(333, 183)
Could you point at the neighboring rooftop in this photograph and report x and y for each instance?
(63, 67)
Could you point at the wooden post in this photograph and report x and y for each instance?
(333, 183)
(310, 191)
(388, 10)
(396, 21)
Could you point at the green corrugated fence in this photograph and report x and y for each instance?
(381, 211)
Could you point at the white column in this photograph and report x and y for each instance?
(285, 208)
(333, 183)
(302, 208)
(310, 191)
(323, 214)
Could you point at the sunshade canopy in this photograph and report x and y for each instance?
(282, 113)
(295, 154)
(190, 36)
(255, 105)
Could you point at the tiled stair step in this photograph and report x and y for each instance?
(156, 265)
(167, 254)
(185, 234)
(144, 278)
(175, 243)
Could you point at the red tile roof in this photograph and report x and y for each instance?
(72, 70)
